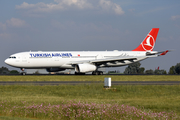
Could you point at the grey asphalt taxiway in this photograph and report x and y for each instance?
(88, 82)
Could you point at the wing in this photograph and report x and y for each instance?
(119, 59)
(106, 60)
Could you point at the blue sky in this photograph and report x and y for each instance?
(92, 25)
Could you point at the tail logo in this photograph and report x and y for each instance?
(148, 43)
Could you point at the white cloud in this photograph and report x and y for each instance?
(81, 4)
(61, 5)
(131, 10)
(15, 22)
(2, 26)
(5, 35)
(108, 6)
(39, 7)
(175, 17)
(12, 23)
(25, 5)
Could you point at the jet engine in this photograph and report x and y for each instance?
(83, 68)
(54, 69)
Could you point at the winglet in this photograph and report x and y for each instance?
(149, 42)
(164, 53)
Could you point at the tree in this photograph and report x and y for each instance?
(14, 72)
(134, 68)
(149, 72)
(160, 72)
(4, 70)
(164, 72)
(172, 70)
(141, 70)
(177, 68)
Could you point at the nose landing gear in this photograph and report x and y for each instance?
(23, 71)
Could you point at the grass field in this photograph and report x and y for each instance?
(14, 118)
(150, 98)
(160, 100)
(92, 78)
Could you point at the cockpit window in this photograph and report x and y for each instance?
(12, 57)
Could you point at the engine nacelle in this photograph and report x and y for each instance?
(54, 69)
(83, 68)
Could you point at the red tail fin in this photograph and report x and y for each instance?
(149, 42)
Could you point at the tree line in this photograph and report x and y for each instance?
(135, 68)
(5, 70)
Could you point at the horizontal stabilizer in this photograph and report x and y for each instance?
(165, 52)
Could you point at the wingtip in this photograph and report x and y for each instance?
(164, 53)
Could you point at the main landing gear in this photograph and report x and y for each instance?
(97, 73)
(76, 73)
(23, 71)
(93, 73)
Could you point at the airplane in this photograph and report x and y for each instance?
(85, 61)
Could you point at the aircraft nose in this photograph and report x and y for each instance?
(7, 61)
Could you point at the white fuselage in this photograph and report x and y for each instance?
(62, 59)
(85, 61)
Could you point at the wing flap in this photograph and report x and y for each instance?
(103, 61)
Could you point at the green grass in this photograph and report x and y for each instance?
(156, 98)
(92, 78)
(14, 118)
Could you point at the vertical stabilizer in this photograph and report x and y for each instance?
(149, 42)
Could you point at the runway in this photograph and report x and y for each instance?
(88, 82)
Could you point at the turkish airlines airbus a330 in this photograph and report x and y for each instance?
(85, 61)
